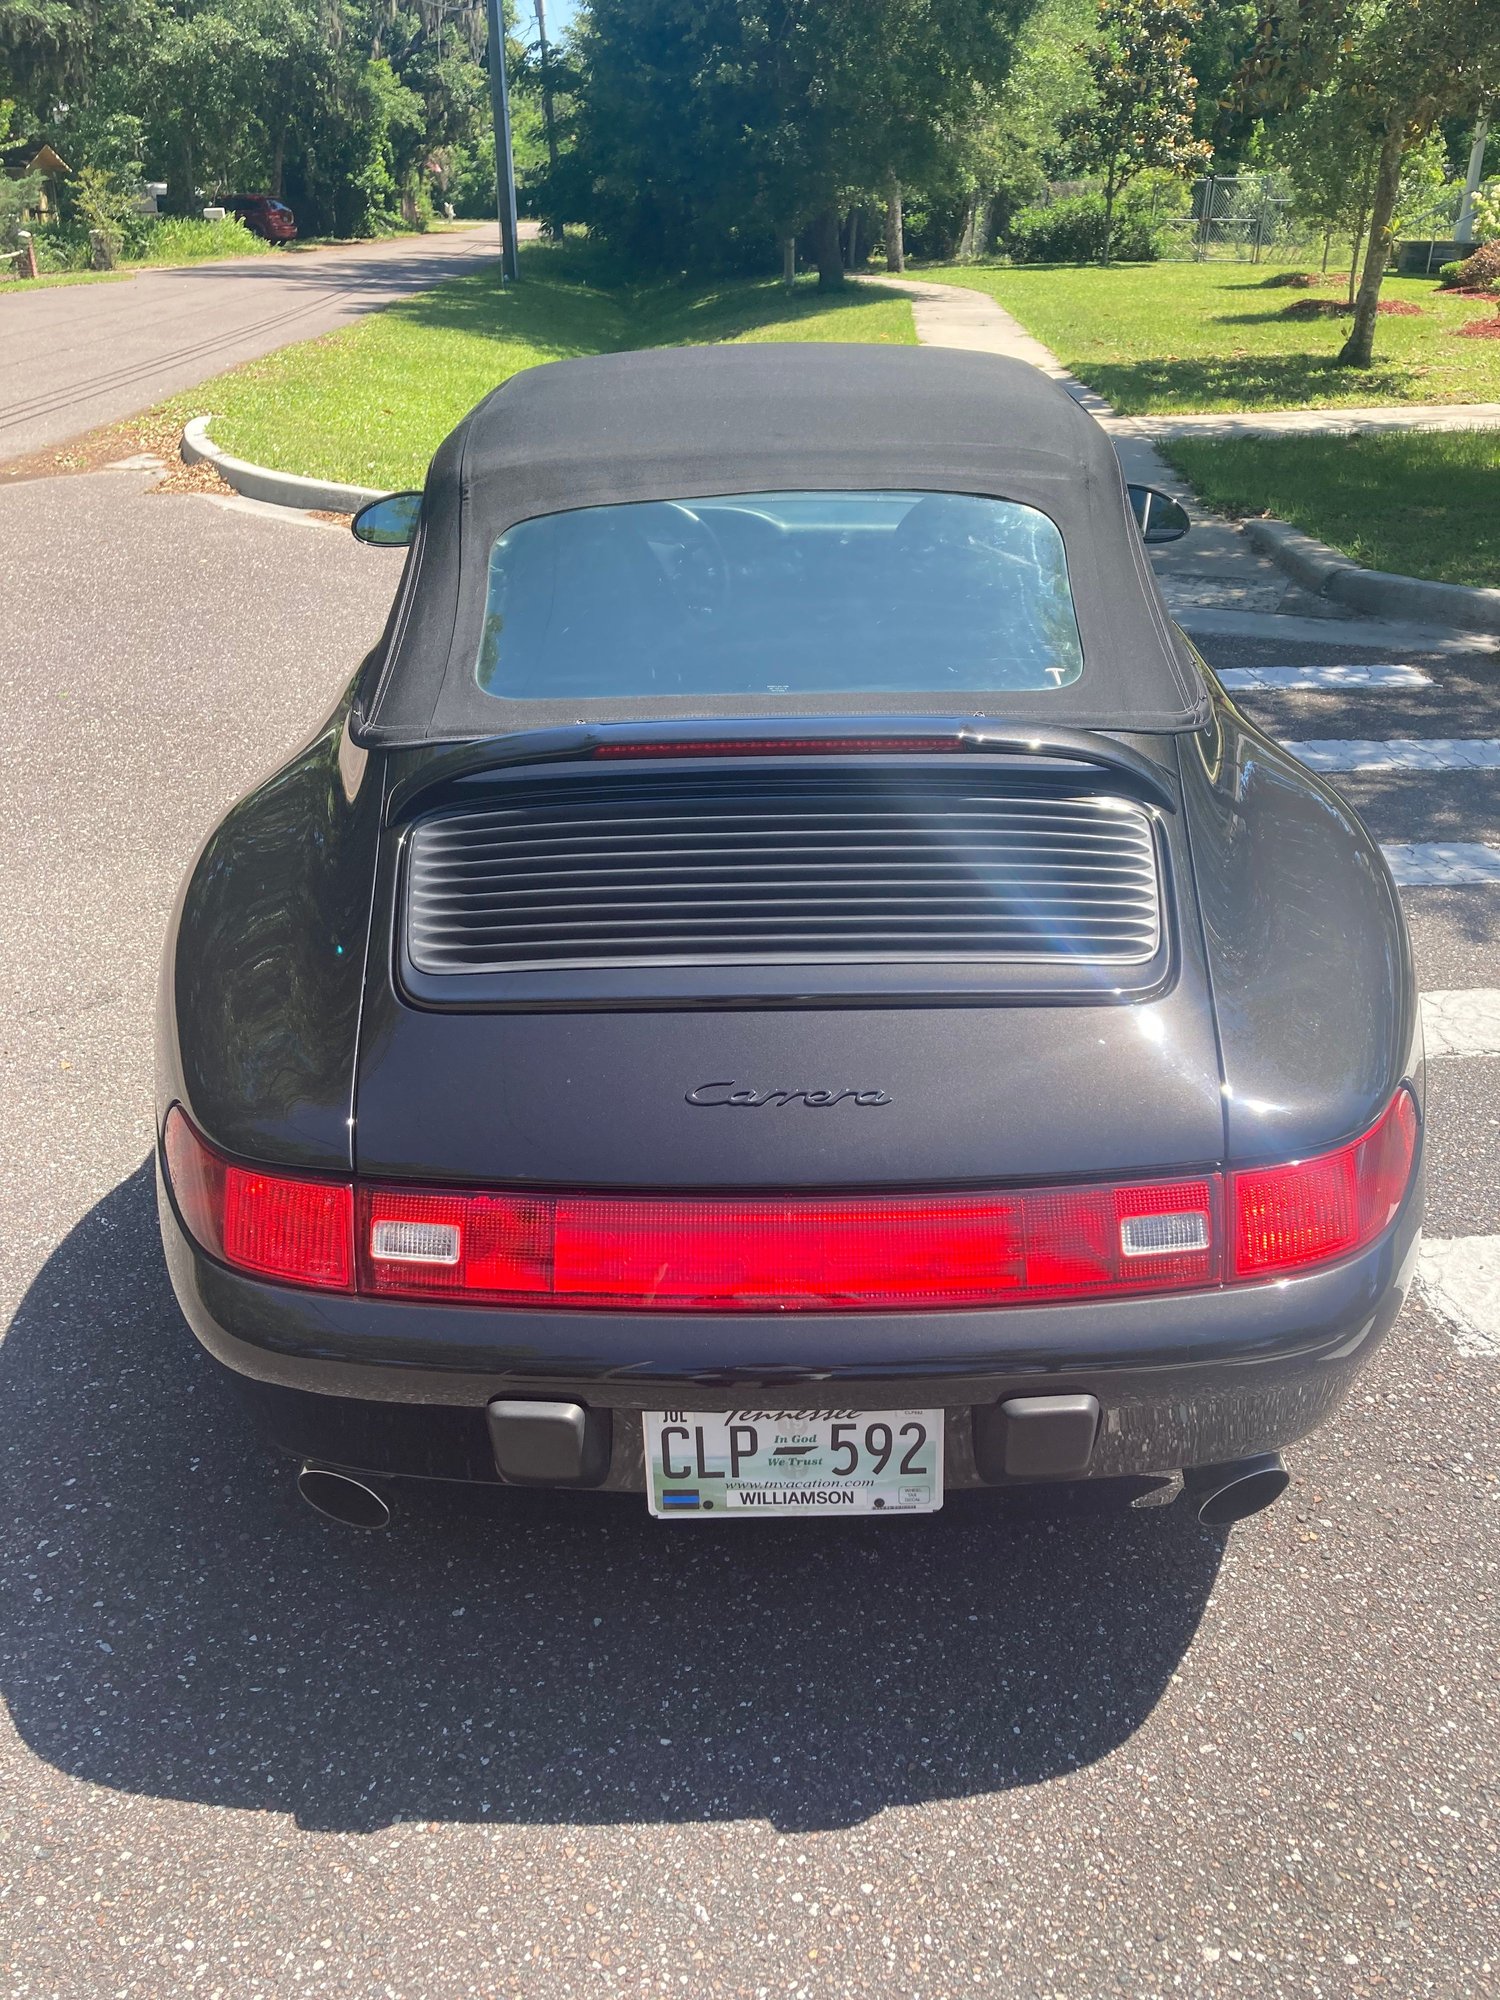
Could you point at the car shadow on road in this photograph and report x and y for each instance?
(180, 1626)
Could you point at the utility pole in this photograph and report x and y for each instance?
(505, 165)
(1464, 229)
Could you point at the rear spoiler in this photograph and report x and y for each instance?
(809, 736)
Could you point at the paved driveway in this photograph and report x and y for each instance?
(524, 1745)
(72, 356)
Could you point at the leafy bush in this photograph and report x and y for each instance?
(1300, 281)
(185, 239)
(60, 246)
(1071, 231)
(1478, 273)
(16, 196)
(1487, 211)
(148, 239)
(105, 204)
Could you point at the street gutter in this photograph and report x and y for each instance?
(1328, 573)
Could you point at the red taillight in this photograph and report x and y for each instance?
(1313, 1211)
(795, 1253)
(277, 1225)
(752, 1254)
(787, 746)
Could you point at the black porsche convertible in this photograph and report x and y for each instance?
(784, 986)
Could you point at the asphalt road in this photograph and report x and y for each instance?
(73, 356)
(529, 1745)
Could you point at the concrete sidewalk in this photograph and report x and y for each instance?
(1212, 569)
(1215, 424)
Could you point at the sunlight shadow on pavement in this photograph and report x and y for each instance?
(181, 1627)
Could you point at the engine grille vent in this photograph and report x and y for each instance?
(781, 869)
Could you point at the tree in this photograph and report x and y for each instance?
(346, 107)
(711, 129)
(1331, 160)
(1401, 66)
(1145, 97)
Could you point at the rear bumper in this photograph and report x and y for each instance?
(1182, 1380)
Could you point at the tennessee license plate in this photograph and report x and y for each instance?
(702, 1467)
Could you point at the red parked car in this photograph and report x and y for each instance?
(263, 215)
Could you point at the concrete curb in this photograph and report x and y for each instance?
(260, 482)
(1327, 573)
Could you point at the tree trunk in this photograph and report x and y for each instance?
(1358, 350)
(974, 240)
(1354, 249)
(278, 163)
(1109, 222)
(863, 234)
(827, 252)
(182, 193)
(895, 227)
(789, 260)
(963, 250)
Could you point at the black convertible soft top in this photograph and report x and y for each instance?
(687, 423)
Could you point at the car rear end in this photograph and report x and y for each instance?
(766, 1124)
(789, 989)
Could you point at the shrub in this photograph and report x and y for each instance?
(105, 203)
(187, 239)
(1071, 231)
(1298, 280)
(1478, 273)
(16, 197)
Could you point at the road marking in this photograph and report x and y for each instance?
(1462, 1021)
(1277, 680)
(1460, 1280)
(1398, 753)
(1441, 864)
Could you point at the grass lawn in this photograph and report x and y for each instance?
(1163, 337)
(369, 405)
(1422, 503)
(9, 285)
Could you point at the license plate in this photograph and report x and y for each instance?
(703, 1466)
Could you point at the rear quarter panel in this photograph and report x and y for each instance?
(1308, 953)
(258, 1002)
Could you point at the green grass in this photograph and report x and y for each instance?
(369, 405)
(1422, 503)
(1164, 337)
(187, 239)
(49, 278)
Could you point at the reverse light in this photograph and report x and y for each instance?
(1314, 1211)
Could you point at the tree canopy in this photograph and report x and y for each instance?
(350, 109)
(711, 127)
(1399, 67)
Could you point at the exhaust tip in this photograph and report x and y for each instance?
(339, 1496)
(1223, 1494)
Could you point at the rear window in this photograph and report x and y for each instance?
(780, 593)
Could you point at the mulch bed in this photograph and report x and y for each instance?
(1337, 309)
(1481, 329)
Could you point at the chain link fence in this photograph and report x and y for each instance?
(1243, 218)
